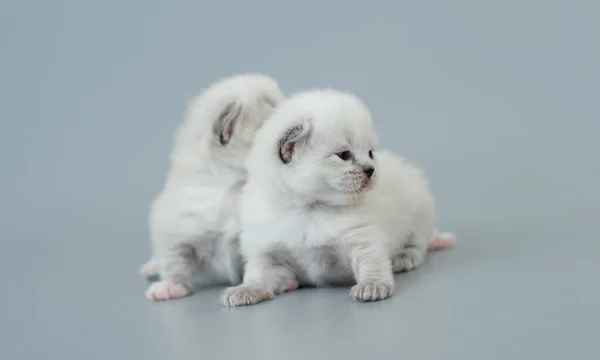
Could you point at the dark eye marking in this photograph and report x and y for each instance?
(344, 155)
(371, 154)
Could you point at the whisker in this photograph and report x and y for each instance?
(355, 188)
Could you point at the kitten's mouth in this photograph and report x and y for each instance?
(355, 193)
(359, 184)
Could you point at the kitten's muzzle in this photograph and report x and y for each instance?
(369, 171)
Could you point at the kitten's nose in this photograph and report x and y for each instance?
(369, 171)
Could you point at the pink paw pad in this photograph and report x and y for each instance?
(442, 241)
(166, 290)
(291, 286)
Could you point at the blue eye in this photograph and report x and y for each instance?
(344, 155)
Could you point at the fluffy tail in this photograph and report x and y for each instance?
(441, 241)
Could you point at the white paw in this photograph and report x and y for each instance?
(167, 290)
(245, 294)
(402, 262)
(372, 290)
(149, 269)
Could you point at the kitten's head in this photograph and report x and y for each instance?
(320, 147)
(222, 121)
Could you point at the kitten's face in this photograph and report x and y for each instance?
(336, 173)
(331, 159)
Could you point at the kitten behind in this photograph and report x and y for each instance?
(193, 221)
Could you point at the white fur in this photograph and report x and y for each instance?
(194, 224)
(319, 220)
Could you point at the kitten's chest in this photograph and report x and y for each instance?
(308, 229)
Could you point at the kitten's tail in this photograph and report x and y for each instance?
(441, 241)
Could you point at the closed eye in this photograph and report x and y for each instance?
(344, 155)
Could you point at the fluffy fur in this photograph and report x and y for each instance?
(193, 222)
(322, 207)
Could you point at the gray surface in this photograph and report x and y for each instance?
(497, 102)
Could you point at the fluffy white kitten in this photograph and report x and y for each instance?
(194, 224)
(321, 206)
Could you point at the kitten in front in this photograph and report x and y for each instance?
(194, 224)
(322, 206)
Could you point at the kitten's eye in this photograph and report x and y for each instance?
(371, 154)
(344, 155)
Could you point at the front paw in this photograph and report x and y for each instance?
(245, 294)
(372, 290)
(167, 290)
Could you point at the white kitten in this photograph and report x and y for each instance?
(194, 225)
(321, 206)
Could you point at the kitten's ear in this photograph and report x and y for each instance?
(226, 122)
(293, 139)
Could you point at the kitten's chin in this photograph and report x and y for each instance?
(358, 190)
(353, 196)
(344, 198)
(335, 197)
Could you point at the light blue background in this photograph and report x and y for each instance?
(498, 101)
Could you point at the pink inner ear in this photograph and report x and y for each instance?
(227, 133)
(288, 151)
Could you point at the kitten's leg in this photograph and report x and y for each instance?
(150, 268)
(264, 278)
(409, 258)
(230, 252)
(414, 252)
(176, 264)
(370, 264)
